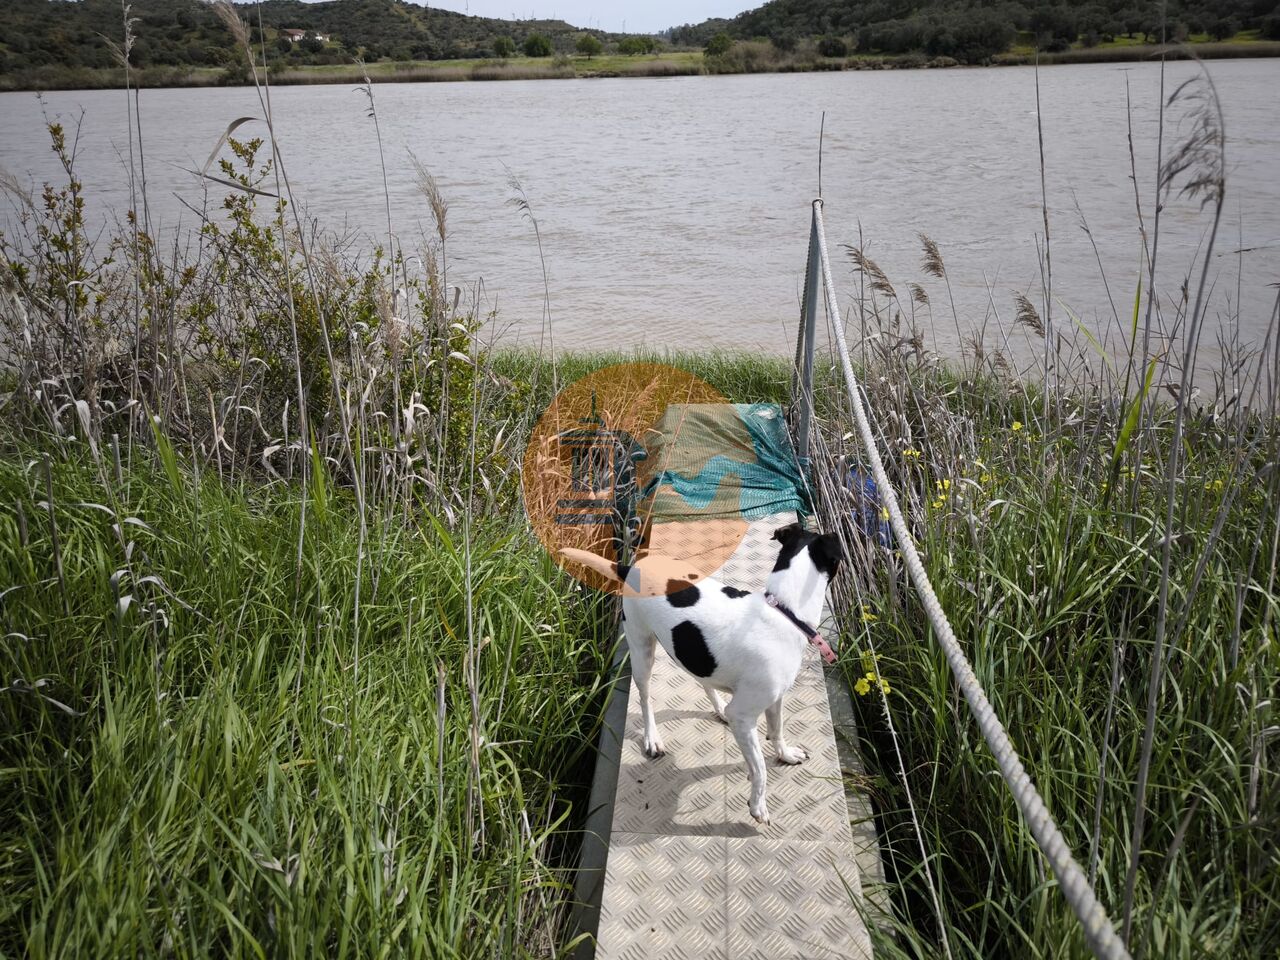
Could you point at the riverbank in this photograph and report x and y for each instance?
(745, 57)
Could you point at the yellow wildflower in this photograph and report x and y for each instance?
(1214, 485)
(884, 513)
(937, 504)
(868, 616)
(869, 680)
(1017, 425)
(909, 452)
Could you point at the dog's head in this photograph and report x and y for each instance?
(824, 549)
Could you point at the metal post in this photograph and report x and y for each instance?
(802, 382)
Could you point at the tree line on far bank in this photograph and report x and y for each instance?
(972, 32)
(587, 44)
(39, 37)
(54, 34)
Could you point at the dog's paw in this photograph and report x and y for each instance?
(653, 749)
(792, 755)
(719, 715)
(760, 814)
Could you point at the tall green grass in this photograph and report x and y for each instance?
(738, 377)
(1052, 593)
(1107, 554)
(204, 752)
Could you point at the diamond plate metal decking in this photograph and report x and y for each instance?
(689, 875)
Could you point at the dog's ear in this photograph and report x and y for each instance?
(827, 553)
(783, 534)
(834, 545)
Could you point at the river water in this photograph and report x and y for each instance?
(675, 212)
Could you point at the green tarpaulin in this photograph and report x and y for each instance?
(709, 460)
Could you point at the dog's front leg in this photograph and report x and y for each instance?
(642, 655)
(773, 721)
(743, 722)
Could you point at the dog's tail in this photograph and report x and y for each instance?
(616, 572)
(653, 575)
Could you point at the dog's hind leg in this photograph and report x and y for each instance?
(744, 716)
(773, 722)
(643, 648)
(717, 702)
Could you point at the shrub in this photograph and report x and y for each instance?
(589, 46)
(833, 47)
(250, 314)
(537, 45)
(972, 39)
(1054, 27)
(719, 45)
(1222, 28)
(633, 46)
(504, 47)
(750, 56)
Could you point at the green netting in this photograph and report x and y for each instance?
(706, 460)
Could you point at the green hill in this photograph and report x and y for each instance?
(973, 32)
(57, 34)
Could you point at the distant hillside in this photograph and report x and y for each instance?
(973, 32)
(69, 43)
(62, 34)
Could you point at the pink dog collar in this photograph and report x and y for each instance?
(824, 648)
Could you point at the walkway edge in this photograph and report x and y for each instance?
(588, 889)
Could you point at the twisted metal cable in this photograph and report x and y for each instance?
(1099, 932)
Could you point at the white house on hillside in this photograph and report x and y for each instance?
(296, 35)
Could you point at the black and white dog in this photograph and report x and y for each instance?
(748, 645)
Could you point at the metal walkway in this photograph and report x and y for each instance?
(674, 868)
(688, 875)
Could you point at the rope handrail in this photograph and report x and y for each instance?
(1099, 932)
